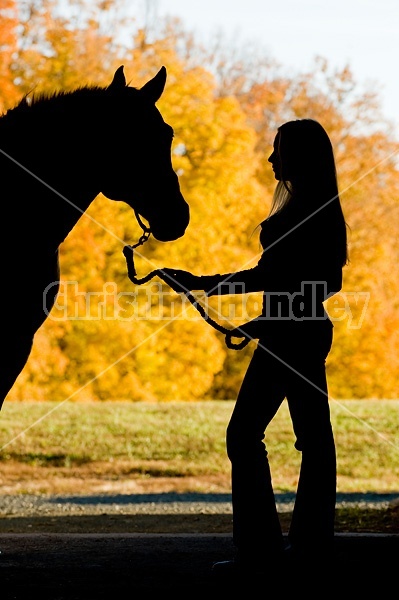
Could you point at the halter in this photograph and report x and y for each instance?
(128, 252)
(146, 231)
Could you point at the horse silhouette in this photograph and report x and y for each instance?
(58, 152)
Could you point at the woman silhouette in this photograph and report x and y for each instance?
(304, 251)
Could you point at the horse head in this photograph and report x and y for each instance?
(140, 170)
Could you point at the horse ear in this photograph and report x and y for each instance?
(119, 80)
(153, 89)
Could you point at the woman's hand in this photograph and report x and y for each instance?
(180, 281)
(249, 330)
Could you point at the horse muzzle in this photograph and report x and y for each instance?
(170, 226)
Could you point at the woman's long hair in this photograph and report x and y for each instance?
(309, 177)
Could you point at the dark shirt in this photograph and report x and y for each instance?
(298, 270)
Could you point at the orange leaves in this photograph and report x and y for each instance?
(8, 45)
(224, 120)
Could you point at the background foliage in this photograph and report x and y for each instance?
(224, 107)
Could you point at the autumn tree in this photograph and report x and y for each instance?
(8, 48)
(366, 154)
(107, 338)
(362, 362)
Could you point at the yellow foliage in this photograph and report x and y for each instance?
(96, 345)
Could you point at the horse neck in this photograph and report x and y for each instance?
(50, 189)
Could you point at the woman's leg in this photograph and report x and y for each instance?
(256, 527)
(312, 525)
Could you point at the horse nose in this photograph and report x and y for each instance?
(172, 226)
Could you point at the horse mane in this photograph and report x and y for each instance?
(50, 102)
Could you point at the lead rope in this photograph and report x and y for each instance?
(128, 252)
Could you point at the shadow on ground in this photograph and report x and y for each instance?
(95, 567)
(85, 556)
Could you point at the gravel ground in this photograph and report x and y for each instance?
(161, 503)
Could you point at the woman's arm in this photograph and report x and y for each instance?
(239, 282)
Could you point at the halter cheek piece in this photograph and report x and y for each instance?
(128, 252)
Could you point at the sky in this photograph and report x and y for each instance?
(363, 34)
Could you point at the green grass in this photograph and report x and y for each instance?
(188, 438)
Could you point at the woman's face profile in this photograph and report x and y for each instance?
(275, 158)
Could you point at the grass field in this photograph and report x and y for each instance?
(120, 447)
(187, 439)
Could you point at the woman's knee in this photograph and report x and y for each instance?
(243, 443)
